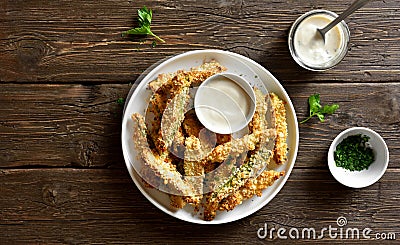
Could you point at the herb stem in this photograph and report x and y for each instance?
(305, 120)
(157, 37)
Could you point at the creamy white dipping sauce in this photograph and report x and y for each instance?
(309, 45)
(223, 104)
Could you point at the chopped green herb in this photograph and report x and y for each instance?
(153, 44)
(120, 101)
(353, 153)
(144, 18)
(317, 110)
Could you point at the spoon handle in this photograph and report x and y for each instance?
(356, 5)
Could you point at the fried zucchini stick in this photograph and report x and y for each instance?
(165, 170)
(167, 102)
(172, 119)
(211, 67)
(251, 187)
(191, 125)
(237, 179)
(194, 169)
(281, 148)
(194, 173)
(161, 79)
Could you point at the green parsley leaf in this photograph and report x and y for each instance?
(137, 31)
(144, 18)
(314, 103)
(316, 109)
(329, 109)
(120, 101)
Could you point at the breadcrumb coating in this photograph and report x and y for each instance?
(163, 169)
(195, 169)
(251, 187)
(211, 67)
(172, 119)
(281, 147)
(235, 181)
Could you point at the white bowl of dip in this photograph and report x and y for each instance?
(308, 48)
(225, 103)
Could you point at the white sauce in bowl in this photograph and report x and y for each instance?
(308, 48)
(309, 45)
(223, 106)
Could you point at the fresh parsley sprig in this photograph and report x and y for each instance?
(144, 18)
(316, 109)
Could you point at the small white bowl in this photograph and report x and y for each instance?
(367, 177)
(224, 103)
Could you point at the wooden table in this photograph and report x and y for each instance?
(63, 65)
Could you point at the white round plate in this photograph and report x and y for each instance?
(137, 102)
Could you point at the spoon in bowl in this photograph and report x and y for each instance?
(356, 5)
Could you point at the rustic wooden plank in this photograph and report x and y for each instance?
(80, 125)
(69, 41)
(55, 125)
(103, 206)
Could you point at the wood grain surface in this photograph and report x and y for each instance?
(64, 64)
(70, 41)
(55, 205)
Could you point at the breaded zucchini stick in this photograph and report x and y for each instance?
(211, 67)
(160, 80)
(237, 179)
(164, 169)
(194, 173)
(191, 125)
(168, 101)
(172, 119)
(281, 148)
(193, 168)
(251, 187)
